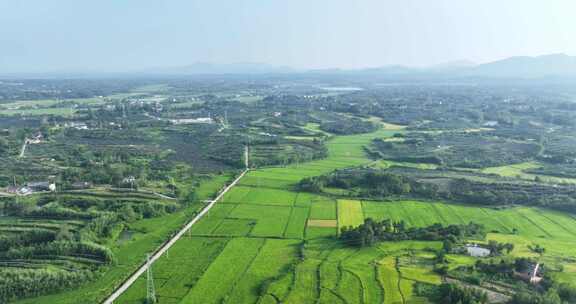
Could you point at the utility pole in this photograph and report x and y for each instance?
(150, 291)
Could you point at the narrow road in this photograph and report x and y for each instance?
(23, 150)
(122, 288)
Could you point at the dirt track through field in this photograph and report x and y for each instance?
(23, 149)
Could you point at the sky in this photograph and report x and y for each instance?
(132, 35)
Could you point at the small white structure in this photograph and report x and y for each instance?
(24, 191)
(490, 123)
(266, 134)
(36, 139)
(129, 180)
(32, 187)
(41, 186)
(476, 251)
(76, 125)
(534, 277)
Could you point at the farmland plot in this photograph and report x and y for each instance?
(234, 227)
(323, 209)
(272, 259)
(225, 272)
(363, 265)
(212, 219)
(313, 232)
(270, 221)
(275, 219)
(176, 272)
(305, 289)
(350, 287)
(261, 196)
(389, 278)
(350, 213)
(297, 223)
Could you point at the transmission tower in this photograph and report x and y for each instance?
(150, 291)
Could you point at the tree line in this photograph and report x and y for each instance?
(371, 232)
(399, 181)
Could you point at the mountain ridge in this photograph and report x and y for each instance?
(516, 67)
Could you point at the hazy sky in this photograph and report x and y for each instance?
(116, 35)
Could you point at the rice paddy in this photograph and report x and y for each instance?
(266, 243)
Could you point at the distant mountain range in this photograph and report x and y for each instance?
(546, 66)
(555, 65)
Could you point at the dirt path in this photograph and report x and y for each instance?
(23, 150)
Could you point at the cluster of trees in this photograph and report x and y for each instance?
(82, 208)
(549, 291)
(562, 294)
(55, 211)
(25, 238)
(566, 170)
(76, 244)
(497, 248)
(372, 231)
(454, 186)
(366, 183)
(348, 126)
(458, 149)
(504, 269)
(65, 89)
(20, 283)
(450, 293)
(60, 248)
(560, 197)
(283, 152)
(536, 248)
(5, 146)
(104, 167)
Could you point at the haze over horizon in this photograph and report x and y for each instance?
(133, 35)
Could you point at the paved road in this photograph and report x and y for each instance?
(122, 288)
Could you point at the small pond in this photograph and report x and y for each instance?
(125, 236)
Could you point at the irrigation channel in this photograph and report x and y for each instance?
(166, 245)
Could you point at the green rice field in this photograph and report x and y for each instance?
(257, 245)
